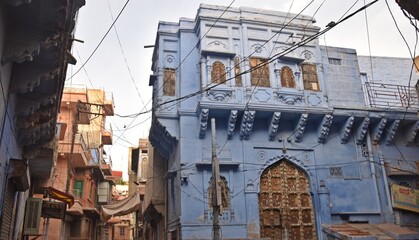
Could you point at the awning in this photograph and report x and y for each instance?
(61, 196)
(120, 208)
(353, 231)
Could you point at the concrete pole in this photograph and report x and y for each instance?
(215, 193)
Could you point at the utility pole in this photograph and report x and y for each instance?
(74, 129)
(216, 197)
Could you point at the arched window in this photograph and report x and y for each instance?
(225, 198)
(287, 77)
(218, 73)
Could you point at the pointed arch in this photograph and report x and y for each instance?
(285, 203)
(225, 193)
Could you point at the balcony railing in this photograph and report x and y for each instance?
(390, 96)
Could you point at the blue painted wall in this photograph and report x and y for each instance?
(357, 193)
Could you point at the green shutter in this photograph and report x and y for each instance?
(79, 185)
(32, 216)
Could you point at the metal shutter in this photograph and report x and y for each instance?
(6, 221)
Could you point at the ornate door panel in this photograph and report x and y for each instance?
(285, 204)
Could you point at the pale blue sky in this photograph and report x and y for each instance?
(137, 27)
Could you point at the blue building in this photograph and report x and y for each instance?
(313, 141)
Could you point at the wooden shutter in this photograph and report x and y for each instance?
(259, 72)
(310, 79)
(169, 82)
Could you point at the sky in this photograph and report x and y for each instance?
(121, 65)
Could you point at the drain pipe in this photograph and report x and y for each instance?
(372, 165)
(386, 187)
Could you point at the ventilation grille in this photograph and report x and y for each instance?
(336, 171)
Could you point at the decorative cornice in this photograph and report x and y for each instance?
(346, 130)
(301, 126)
(325, 128)
(273, 127)
(231, 123)
(247, 124)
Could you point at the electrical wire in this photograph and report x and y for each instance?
(123, 54)
(147, 111)
(100, 42)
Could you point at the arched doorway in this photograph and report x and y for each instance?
(285, 204)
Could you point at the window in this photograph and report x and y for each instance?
(169, 82)
(310, 79)
(218, 72)
(225, 198)
(237, 72)
(144, 165)
(259, 72)
(335, 61)
(287, 77)
(78, 188)
(121, 231)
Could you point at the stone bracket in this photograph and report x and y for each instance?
(325, 128)
(362, 131)
(203, 123)
(231, 123)
(346, 130)
(392, 132)
(301, 126)
(273, 127)
(413, 131)
(378, 131)
(247, 124)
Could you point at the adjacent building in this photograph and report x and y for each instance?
(313, 142)
(35, 45)
(138, 173)
(82, 174)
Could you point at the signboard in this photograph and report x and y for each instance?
(51, 209)
(405, 198)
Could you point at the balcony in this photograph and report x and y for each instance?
(390, 96)
(107, 169)
(80, 151)
(107, 135)
(76, 209)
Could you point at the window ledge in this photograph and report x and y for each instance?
(218, 53)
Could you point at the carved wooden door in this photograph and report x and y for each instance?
(285, 204)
